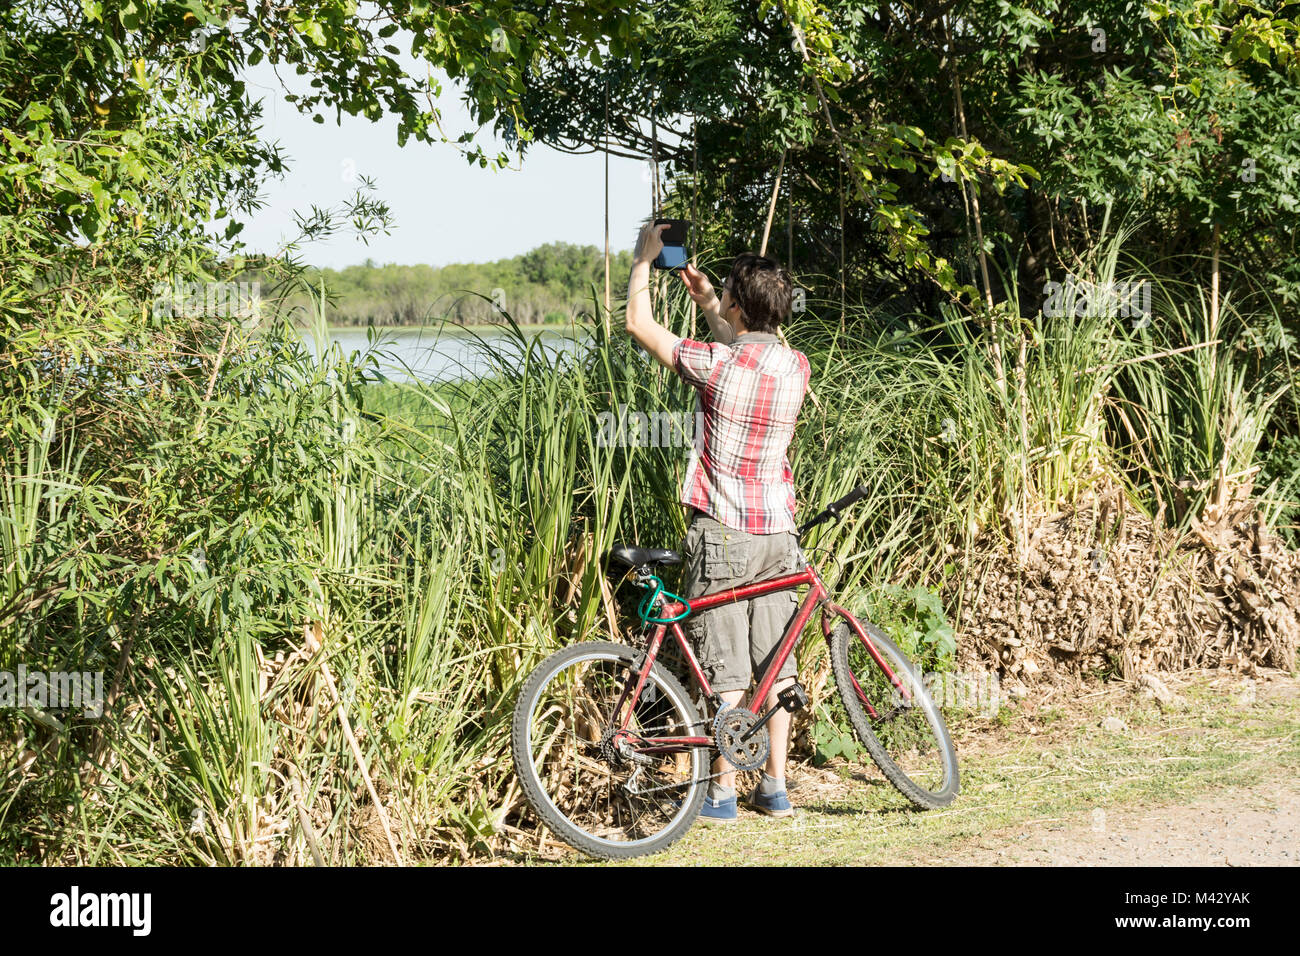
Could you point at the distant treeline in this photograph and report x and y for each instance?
(552, 283)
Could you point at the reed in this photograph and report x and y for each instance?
(275, 554)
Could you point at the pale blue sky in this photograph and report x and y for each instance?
(445, 210)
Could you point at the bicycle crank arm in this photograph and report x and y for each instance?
(792, 698)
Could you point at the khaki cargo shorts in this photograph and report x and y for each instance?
(737, 640)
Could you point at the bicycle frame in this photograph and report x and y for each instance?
(818, 596)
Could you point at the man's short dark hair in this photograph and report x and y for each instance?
(763, 290)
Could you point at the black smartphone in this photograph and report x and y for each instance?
(673, 255)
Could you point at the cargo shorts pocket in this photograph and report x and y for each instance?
(697, 632)
(726, 554)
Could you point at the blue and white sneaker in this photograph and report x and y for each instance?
(774, 805)
(719, 811)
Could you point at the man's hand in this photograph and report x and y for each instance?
(698, 286)
(641, 325)
(649, 243)
(701, 291)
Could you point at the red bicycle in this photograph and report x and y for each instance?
(614, 755)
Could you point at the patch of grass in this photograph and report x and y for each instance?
(1013, 779)
(1051, 715)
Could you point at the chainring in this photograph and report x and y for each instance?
(729, 727)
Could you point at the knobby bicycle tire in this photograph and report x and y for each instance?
(846, 641)
(575, 790)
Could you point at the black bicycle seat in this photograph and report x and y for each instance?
(633, 556)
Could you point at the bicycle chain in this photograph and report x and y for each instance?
(679, 786)
(645, 731)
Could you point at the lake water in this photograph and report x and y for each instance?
(447, 352)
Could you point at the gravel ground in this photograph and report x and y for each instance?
(1199, 769)
(1257, 826)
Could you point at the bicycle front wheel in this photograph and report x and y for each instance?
(607, 800)
(898, 723)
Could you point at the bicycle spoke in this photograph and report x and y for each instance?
(593, 786)
(901, 725)
(894, 716)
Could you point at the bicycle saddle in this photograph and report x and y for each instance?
(633, 556)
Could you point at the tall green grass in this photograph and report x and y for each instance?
(202, 526)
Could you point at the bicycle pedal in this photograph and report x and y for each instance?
(793, 698)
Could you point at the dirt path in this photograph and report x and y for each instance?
(1204, 773)
(1248, 816)
(1248, 826)
(1109, 776)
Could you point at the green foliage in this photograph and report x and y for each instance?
(1283, 471)
(1186, 111)
(917, 621)
(190, 501)
(832, 737)
(552, 283)
(442, 539)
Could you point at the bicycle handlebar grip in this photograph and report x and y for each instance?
(857, 494)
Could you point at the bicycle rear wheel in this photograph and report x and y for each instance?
(900, 726)
(609, 802)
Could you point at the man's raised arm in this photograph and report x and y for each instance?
(701, 290)
(641, 324)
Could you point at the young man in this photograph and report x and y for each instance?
(738, 486)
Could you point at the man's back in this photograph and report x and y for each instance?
(749, 393)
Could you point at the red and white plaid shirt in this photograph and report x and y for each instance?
(749, 393)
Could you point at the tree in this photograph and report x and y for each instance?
(1184, 114)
